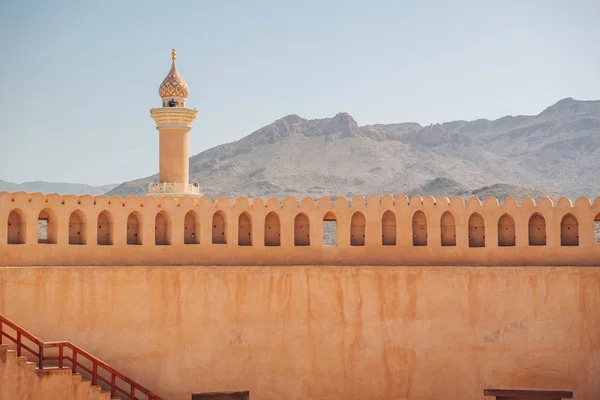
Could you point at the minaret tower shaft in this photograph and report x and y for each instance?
(173, 122)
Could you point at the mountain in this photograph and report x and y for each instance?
(556, 151)
(55, 187)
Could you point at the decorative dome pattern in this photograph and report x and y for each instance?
(173, 84)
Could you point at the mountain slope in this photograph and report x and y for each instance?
(555, 151)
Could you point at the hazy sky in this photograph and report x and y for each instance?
(78, 78)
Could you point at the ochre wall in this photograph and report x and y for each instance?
(410, 234)
(325, 333)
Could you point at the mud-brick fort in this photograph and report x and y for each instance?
(176, 296)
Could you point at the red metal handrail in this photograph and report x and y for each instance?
(76, 352)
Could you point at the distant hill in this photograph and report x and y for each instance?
(449, 188)
(55, 187)
(556, 151)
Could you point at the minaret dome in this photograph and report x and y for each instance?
(173, 89)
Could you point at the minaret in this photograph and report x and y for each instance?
(173, 122)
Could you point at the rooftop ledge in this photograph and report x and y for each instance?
(383, 230)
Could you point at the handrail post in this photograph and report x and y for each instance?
(1, 332)
(113, 386)
(132, 393)
(41, 356)
(74, 361)
(18, 344)
(94, 373)
(60, 356)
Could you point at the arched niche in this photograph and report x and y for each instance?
(301, 230)
(476, 231)
(17, 227)
(506, 231)
(388, 229)
(357, 229)
(191, 228)
(419, 229)
(162, 229)
(537, 230)
(448, 229)
(569, 231)
(219, 228)
(272, 230)
(245, 229)
(77, 228)
(134, 228)
(105, 229)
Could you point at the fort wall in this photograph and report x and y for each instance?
(325, 333)
(85, 230)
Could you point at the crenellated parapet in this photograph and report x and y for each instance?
(39, 229)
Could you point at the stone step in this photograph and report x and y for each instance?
(7, 354)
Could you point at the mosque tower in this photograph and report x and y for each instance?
(173, 122)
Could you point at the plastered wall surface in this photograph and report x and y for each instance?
(173, 159)
(325, 332)
(89, 230)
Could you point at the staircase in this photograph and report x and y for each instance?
(58, 376)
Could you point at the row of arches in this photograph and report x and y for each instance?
(569, 230)
(47, 229)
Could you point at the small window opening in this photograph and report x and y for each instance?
(43, 231)
(329, 230)
(597, 229)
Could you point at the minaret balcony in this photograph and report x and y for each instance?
(174, 188)
(173, 117)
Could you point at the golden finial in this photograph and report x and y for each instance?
(173, 54)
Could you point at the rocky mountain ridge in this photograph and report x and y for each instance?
(556, 151)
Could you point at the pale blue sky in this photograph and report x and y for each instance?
(78, 78)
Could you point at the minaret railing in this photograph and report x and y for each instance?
(173, 188)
